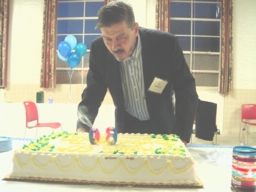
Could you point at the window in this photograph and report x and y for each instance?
(197, 24)
(78, 18)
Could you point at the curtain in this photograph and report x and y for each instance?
(4, 19)
(226, 74)
(163, 15)
(107, 1)
(48, 61)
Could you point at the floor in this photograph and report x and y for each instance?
(226, 140)
(66, 114)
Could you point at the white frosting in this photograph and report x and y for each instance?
(140, 168)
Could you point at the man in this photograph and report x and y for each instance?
(141, 68)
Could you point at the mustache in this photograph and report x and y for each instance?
(118, 51)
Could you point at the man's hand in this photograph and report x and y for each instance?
(81, 130)
(185, 143)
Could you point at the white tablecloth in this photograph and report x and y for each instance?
(213, 166)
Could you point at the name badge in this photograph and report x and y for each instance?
(158, 85)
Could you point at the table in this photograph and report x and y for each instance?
(213, 166)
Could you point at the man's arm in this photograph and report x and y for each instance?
(93, 94)
(81, 129)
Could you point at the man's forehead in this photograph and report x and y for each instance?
(114, 36)
(115, 28)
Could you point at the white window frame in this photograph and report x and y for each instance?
(192, 53)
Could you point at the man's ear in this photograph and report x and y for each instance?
(136, 28)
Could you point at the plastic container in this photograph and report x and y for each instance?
(244, 168)
(50, 100)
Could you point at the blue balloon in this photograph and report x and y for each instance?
(64, 48)
(71, 39)
(81, 49)
(61, 57)
(73, 60)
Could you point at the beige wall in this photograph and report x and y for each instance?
(25, 59)
(233, 103)
(61, 94)
(244, 33)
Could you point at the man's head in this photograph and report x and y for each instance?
(119, 30)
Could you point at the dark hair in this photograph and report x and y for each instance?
(115, 12)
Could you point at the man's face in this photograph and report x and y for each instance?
(120, 39)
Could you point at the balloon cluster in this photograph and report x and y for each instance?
(70, 51)
(111, 138)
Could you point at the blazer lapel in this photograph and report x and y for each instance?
(114, 79)
(149, 66)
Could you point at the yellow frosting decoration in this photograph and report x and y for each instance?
(127, 145)
(134, 158)
(79, 143)
(97, 163)
(79, 148)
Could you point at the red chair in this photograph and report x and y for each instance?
(248, 118)
(32, 120)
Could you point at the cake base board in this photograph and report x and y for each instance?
(81, 182)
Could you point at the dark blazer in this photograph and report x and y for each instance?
(163, 58)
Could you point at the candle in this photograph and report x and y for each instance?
(111, 137)
(94, 135)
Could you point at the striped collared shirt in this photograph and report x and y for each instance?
(133, 84)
